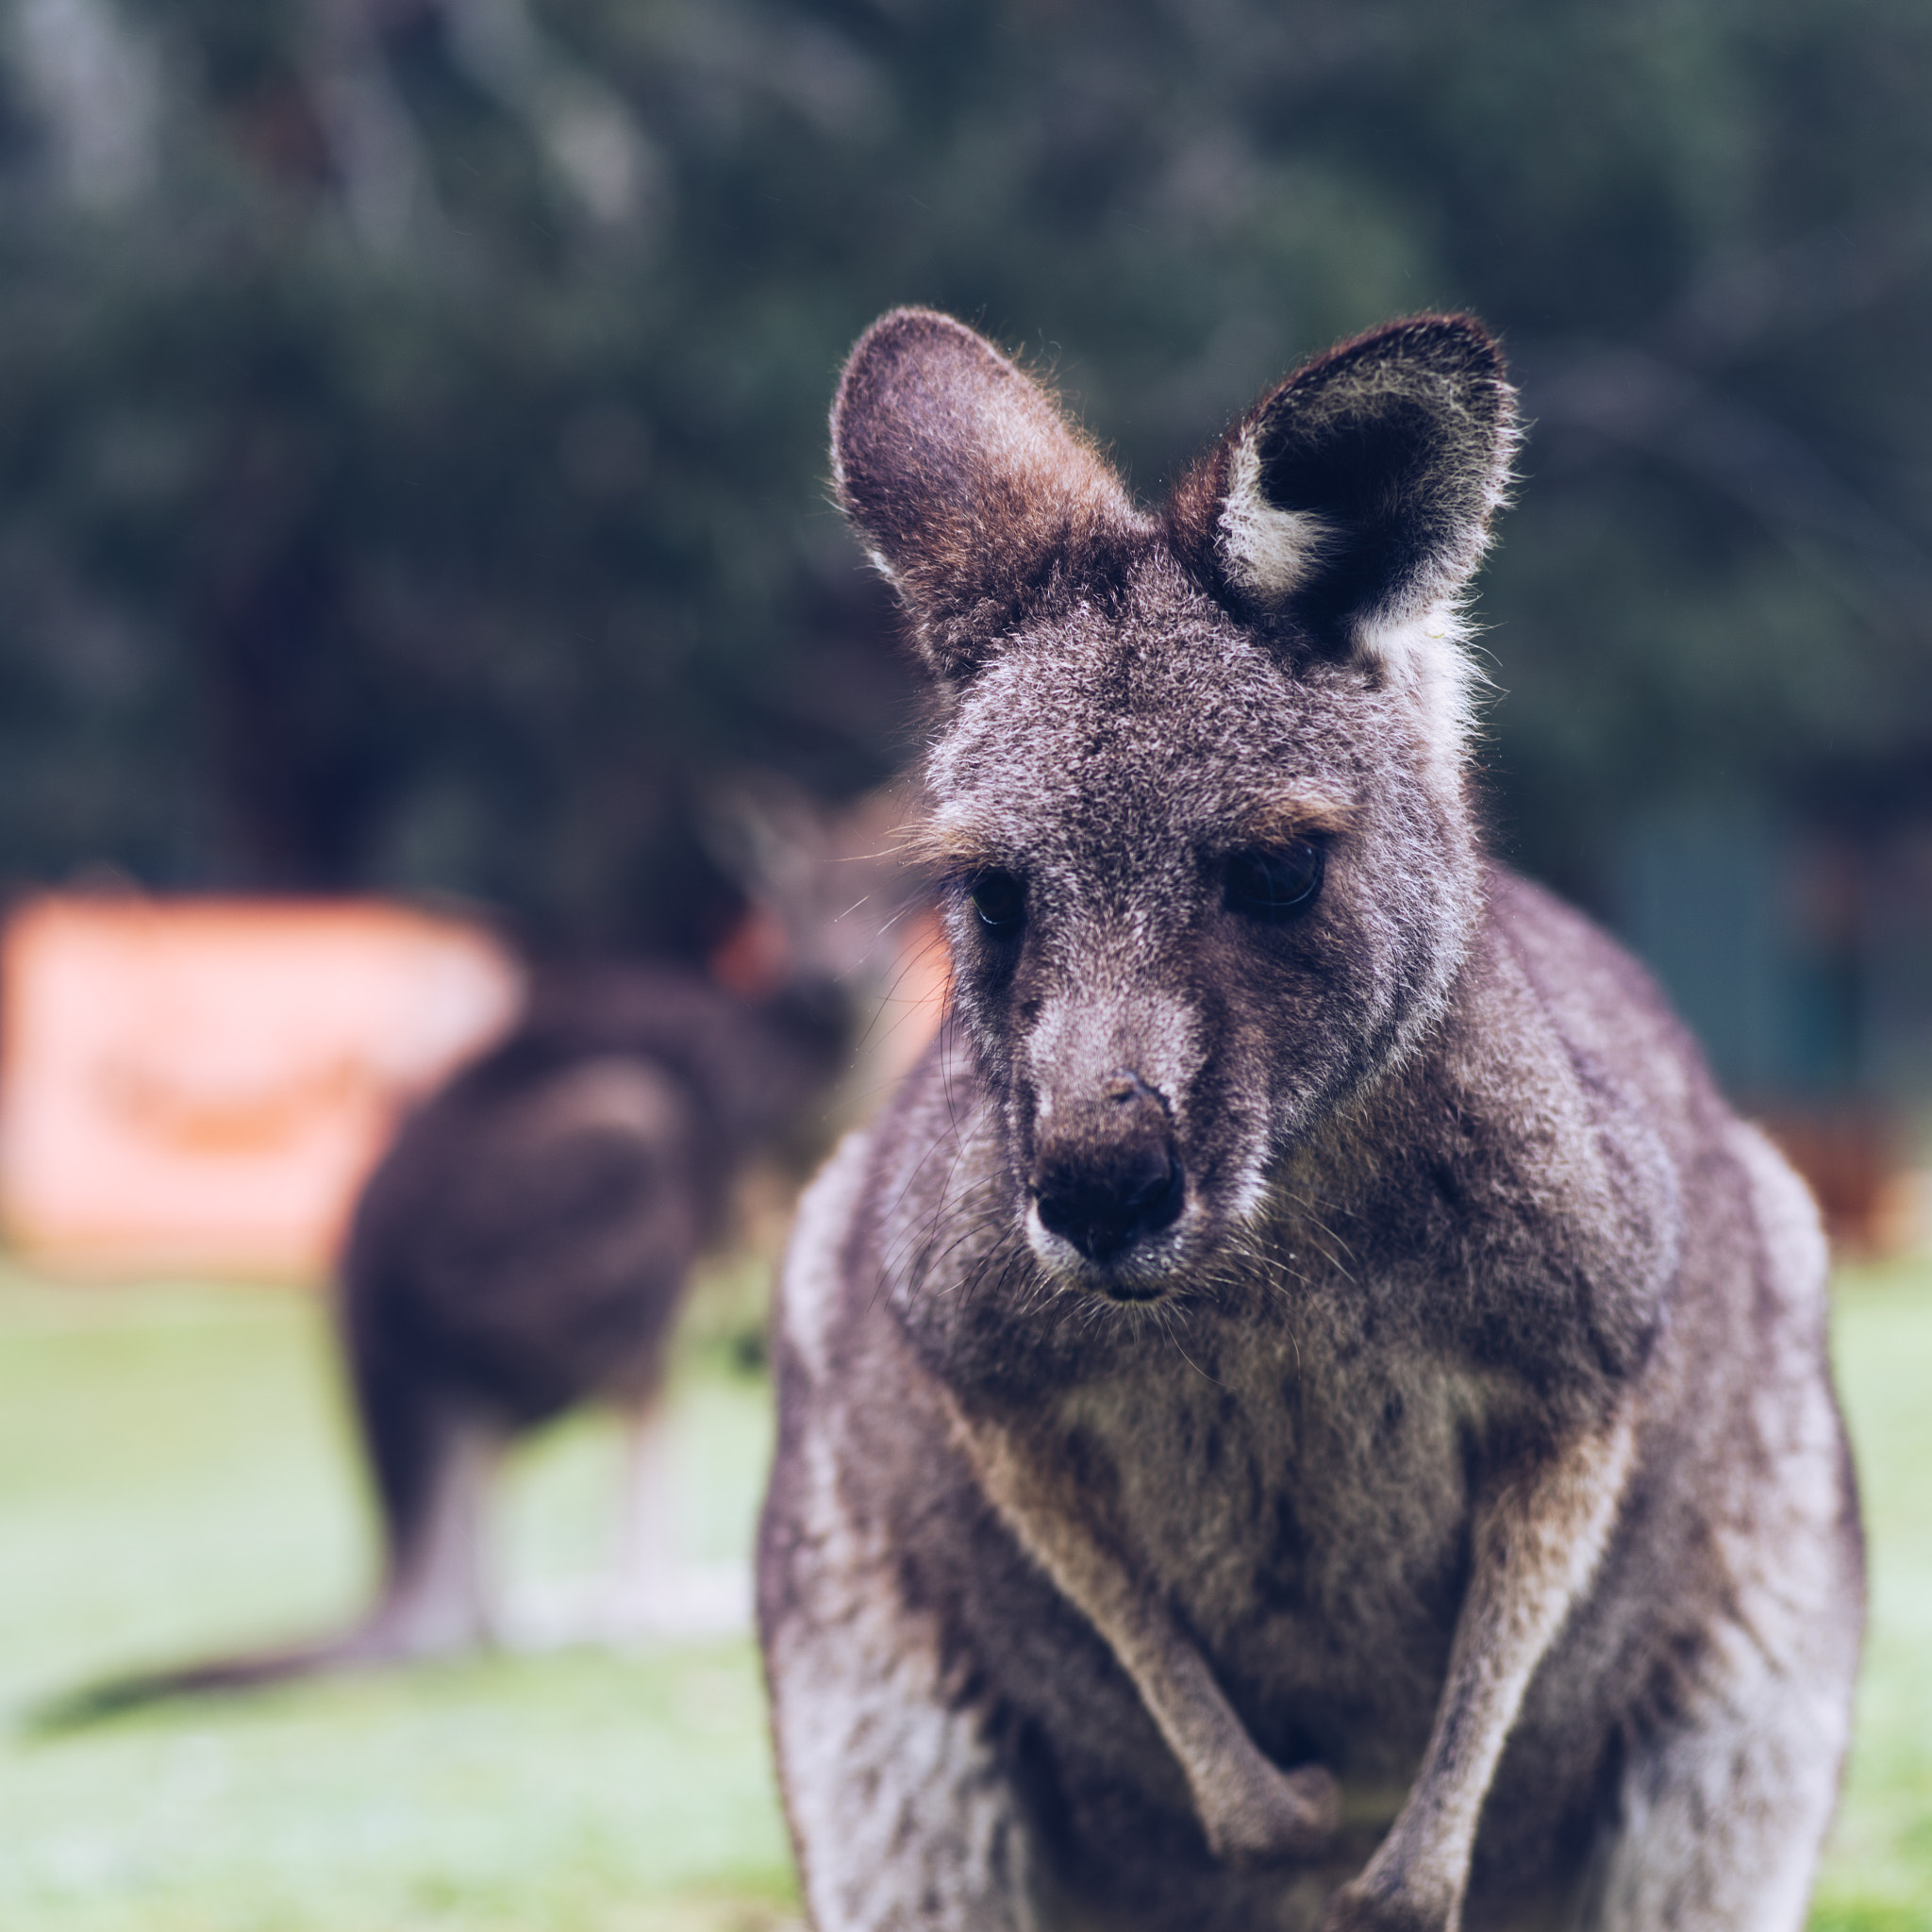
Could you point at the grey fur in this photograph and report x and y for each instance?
(1313, 1420)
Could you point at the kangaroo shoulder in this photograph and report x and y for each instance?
(818, 1261)
(1607, 1012)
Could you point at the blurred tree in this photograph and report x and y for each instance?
(411, 410)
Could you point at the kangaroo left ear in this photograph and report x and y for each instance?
(1356, 497)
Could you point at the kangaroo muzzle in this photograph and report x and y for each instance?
(1108, 1174)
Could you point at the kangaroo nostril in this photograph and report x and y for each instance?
(1115, 1196)
(1124, 1084)
(1160, 1185)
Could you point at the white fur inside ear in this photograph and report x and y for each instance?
(1271, 551)
(1425, 658)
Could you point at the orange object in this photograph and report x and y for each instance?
(915, 1002)
(202, 1085)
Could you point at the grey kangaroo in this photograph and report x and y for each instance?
(1307, 1410)
(526, 1242)
(525, 1246)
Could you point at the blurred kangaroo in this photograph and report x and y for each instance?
(526, 1243)
(1307, 1410)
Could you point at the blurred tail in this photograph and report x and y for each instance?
(364, 1646)
(433, 1605)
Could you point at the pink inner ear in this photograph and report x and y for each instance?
(966, 479)
(939, 440)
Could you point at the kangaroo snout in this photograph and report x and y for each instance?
(1106, 1172)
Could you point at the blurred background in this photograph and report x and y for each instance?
(412, 489)
(412, 467)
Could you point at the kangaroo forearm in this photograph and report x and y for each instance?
(1540, 1535)
(1248, 1806)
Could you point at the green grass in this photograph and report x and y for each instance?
(1878, 1874)
(175, 1476)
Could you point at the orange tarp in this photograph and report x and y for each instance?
(202, 1085)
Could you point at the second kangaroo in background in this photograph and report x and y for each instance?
(1308, 1410)
(526, 1244)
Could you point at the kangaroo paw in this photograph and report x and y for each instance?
(1357, 1908)
(1293, 1814)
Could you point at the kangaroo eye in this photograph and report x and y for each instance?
(1276, 884)
(1000, 900)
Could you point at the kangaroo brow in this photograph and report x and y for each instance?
(952, 850)
(1291, 815)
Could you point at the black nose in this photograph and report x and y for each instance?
(1110, 1176)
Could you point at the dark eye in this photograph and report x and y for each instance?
(1276, 884)
(1000, 900)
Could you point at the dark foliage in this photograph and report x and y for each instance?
(411, 411)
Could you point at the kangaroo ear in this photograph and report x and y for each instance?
(969, 486)
(1356, 497)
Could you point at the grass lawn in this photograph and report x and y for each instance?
(175, 1476)
(1877, 1874)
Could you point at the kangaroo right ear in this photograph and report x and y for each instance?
(1356, 495)
(970, 487)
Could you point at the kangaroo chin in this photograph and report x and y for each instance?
(1148, 1272)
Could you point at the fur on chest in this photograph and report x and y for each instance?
(1290, 1490)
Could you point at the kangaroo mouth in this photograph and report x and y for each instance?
(1108, 1191)
(1144, 1269)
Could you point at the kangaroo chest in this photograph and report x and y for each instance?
(1302, 1509)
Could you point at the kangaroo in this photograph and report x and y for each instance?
(524, 1247)
(526, 1244)
(1307, 1410)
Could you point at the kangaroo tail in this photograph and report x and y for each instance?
(364, 1646)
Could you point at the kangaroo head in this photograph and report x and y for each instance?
(1196, 791)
